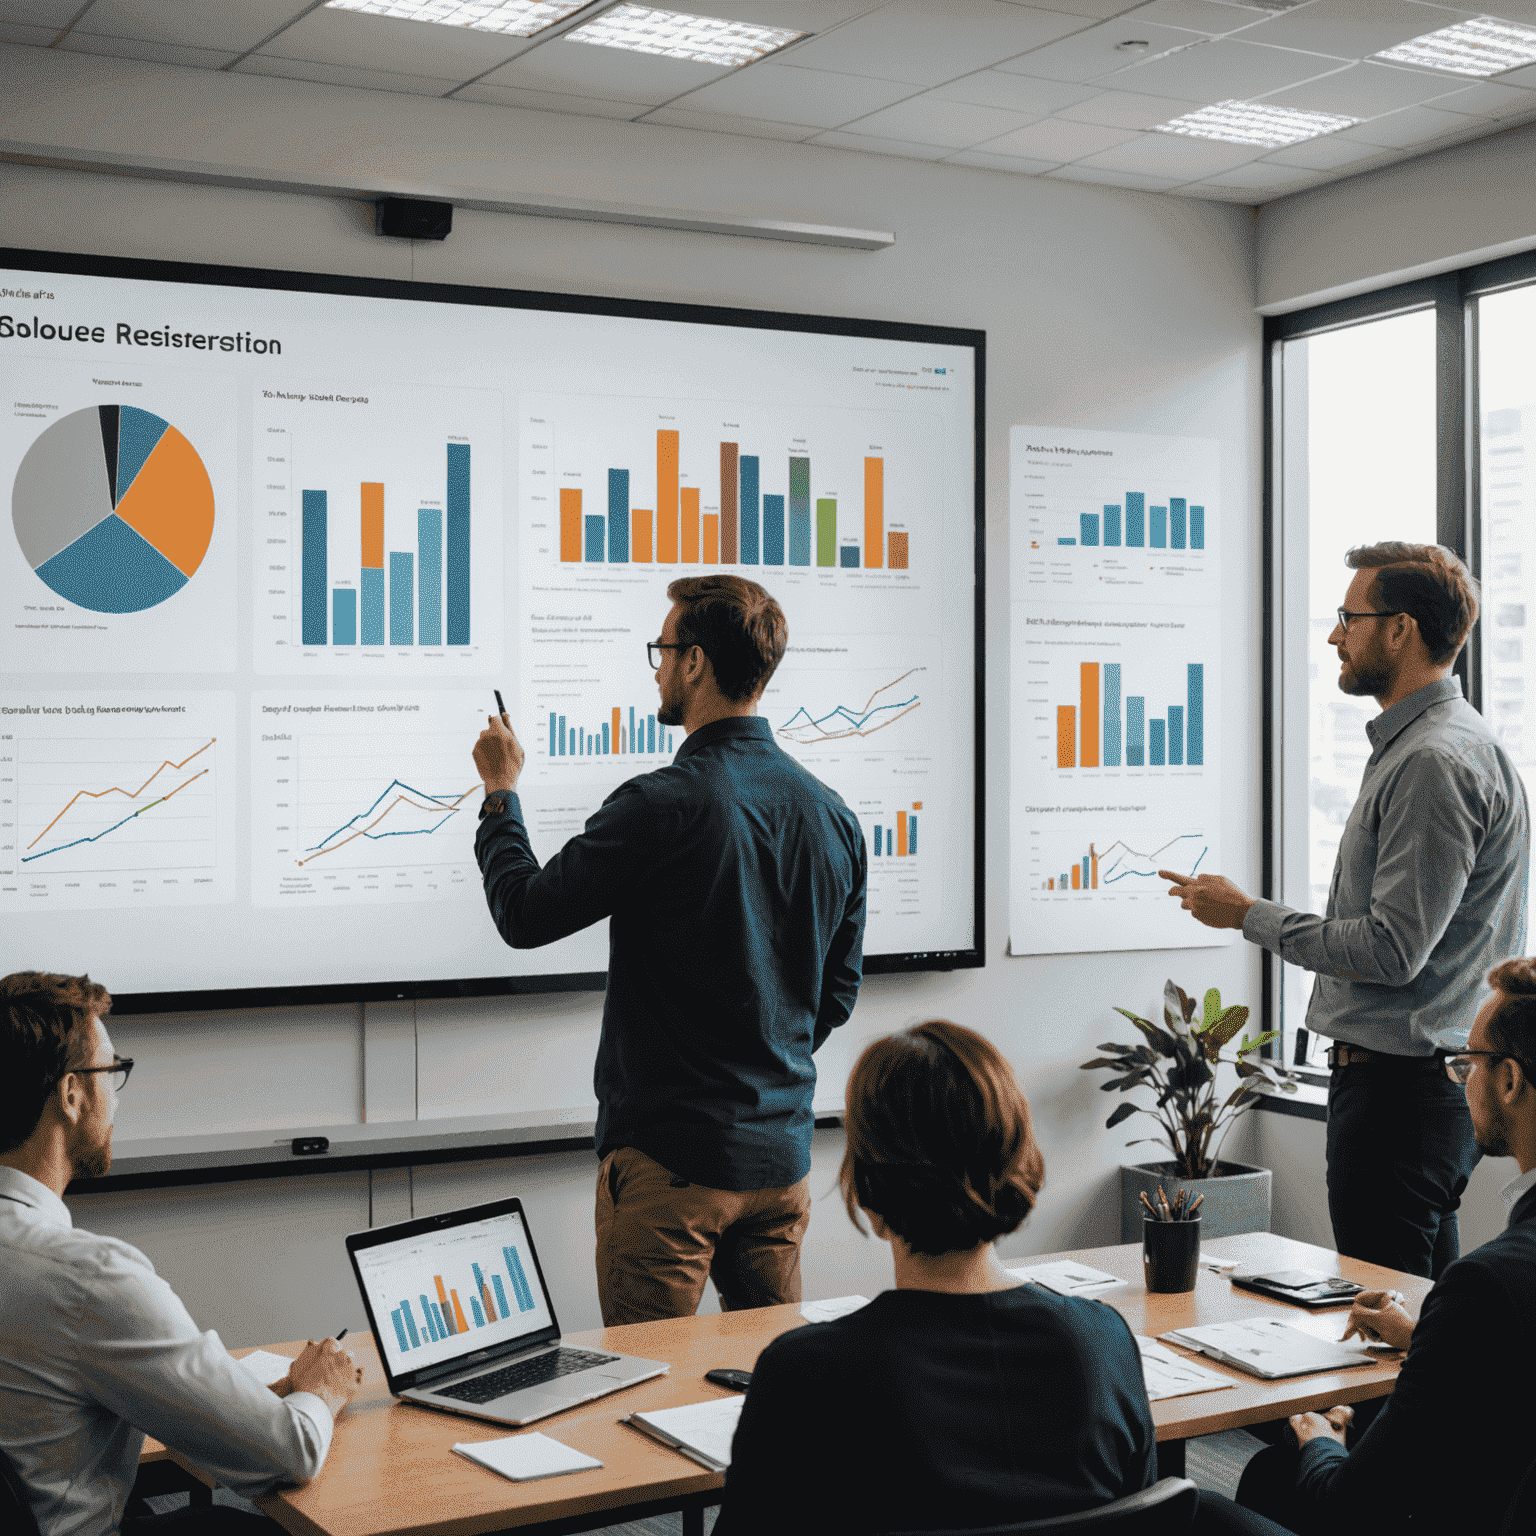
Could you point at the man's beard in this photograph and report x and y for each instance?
(93, 1162)
(1370, 677)
(1494, 1141)
(670, 711)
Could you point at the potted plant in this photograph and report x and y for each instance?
(1180, 1063)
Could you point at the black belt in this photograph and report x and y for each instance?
(1357, 1056)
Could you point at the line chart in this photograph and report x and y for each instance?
(841, 722)
(408, 797)
(1115, 872)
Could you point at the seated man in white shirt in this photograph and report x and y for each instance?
(96, 1351)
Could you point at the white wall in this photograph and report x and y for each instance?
(1103, 307)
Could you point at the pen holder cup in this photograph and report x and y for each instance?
(1170, 1254)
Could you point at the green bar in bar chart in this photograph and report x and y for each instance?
(826, 531)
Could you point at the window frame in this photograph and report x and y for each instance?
(1452, 296)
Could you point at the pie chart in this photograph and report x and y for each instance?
(113, 509)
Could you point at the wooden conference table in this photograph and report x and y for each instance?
(390, 1471)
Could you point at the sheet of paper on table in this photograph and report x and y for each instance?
(265, 1366)
(702, 1431)
(1269, 1347)
(1170, 1375)
(1069, 1279)
(524, 1458)
(837, 1306)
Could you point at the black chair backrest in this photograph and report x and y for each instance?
(1167, 1508)
(1521, 1517)
(15, 1512)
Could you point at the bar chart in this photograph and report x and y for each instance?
(442, 1310)
(625, 731)
(1097, 731)
(380, 531)
(895, 837)
(719, 488)
(1116, 862)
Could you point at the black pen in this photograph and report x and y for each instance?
(501, 708)
(340, 1336)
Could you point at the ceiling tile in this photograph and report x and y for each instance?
(1213, 17)
(358, 41)
(926, 121)
(1165, 154)
(1122, 109)
(1523, 11)
(1205, 192)
(1088, 55)
(870, 145)
(1054, 139)
(1018, 93)
(339, 74)
(928, 44)
(150, 52)
(1104, 178)
(28, 37)
(1087, 8)
(1350, 28)
(718, 122)
(1413, 125)
(1520, 77)
(1487, 100)
(797, 14)
(1015, 163)
(548, 101)
(779, 93)
(1224, 69)
(1263, 177)
(55, 14)
(231, 27)
(1324, 154)
(580, 69)
(1361, 90)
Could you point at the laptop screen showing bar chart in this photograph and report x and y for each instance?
(439, 1295)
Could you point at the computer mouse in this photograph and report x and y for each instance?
(736, 1381)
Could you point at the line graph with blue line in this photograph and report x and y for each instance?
(406, 812)
(884, 707)
(1102, 869)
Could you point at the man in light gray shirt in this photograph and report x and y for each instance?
(95, 1349)
(1428, 894)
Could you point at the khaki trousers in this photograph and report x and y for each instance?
(660, 1238)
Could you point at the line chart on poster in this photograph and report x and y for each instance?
(884, 707)
(438, 811)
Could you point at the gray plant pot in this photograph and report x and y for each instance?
(1236, 1201)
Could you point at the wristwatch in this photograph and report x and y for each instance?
(494, 805)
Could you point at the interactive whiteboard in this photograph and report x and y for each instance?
(275, 538)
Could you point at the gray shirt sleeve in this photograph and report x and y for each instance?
(1431, 826)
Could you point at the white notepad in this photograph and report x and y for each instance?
(265, 1366)
(1269, 1347)
(1170, 1375)
(701, 1431)
(522, 1458)
(1069, 1279)
(837, 1306)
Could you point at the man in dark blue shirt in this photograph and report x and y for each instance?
(734, 882)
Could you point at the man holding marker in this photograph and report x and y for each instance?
(1429, 891)
(734, 882)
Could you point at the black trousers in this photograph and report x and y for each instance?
(207, 1520)
(1268, 1488)
(1400, 1152)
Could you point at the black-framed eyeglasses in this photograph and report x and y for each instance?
(1371, 613)
(120, 1069)
(1459, 1067)
(653, 647)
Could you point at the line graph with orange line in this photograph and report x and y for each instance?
(129, 794)
(408, 797)
(841, 722)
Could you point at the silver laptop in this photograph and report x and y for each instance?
(464, 1321)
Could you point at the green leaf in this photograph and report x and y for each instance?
(1226, 1025)
(1259, 1043)
(1124, 1112)
(1117, 1062)
(1115, 1048)
(1212, 1007)
(1135, 1080)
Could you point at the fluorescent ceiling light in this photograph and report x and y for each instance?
(517, 18)
(673, 35)
(1481, 47)
(1253, 122)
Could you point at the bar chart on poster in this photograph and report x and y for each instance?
(1116, 651)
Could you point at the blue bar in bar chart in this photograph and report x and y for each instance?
(848, 557)
(429, 576)
(1176, 522)
(1197, 527)
(773, 530)
(618, 516)
(1156, 743)
(911, 836)
(1194, 753)
(562, 735)
(316, 553)
(1088, 528)
(344, 616)
(410, 1323)
(1085, 872)
(1111, 524)
(1175, 735)
(749, 508)
(1135, 729)
(426, 1310)
(458, 544)
(501, 1296)
(519, 1280)
(475, 1312)
(650, 733)
(373, 606)
(1159, 527)
(394, 1317)
(1066, 541)
(1111, 718)
(607, 745)
(554, 739)
(879, 839)
(595, 529)
(402, 614)
(443, 1330)
(1135, 520)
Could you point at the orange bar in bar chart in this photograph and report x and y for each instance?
(458, 1313)
(1093, 860)
(690, 543)
(711, 536)
(1077, 877)
(373, 525)
(874, 513)
(1090, 700)
(1050, 885)
(570, 523)
(898, 551)
(730, 486)
(616, 729)
(640, 535)
(485, 1301)
(1066, 736)
(666, 497)
(442, 1297)
(901, 834)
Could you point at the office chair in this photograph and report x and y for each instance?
(15, 1512)
(1521, 1516)
(1167, 1508)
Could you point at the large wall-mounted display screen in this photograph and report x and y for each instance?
(274, 540)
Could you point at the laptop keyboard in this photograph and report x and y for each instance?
(528, 1373)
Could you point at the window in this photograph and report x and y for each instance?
(1407, 414)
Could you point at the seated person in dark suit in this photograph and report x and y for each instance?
(1470, 1354)
(961, 1398)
